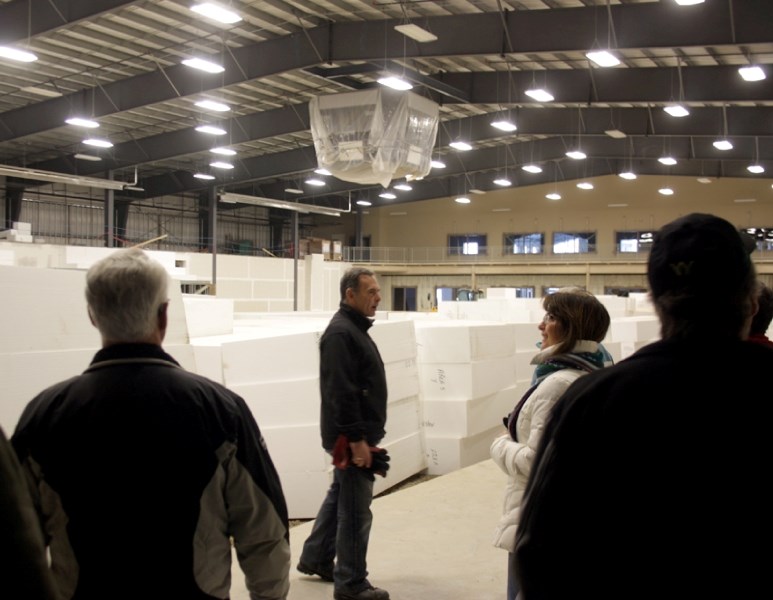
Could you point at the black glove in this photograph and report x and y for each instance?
(380, 461)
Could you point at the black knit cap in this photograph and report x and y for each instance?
(700, 254)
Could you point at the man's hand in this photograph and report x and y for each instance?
(361, 456)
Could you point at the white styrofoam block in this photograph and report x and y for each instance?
(283, 403)
(614, 349)
(304, 491)
(296, 448)
(523, 367)
(508, 293)
(396, 340)
(407, 458)
(463, 341)
(446, 453)
(208, 315)
(464, 418)
(402, 379)
(527, 335)
(209, 361)
(21, 227)
(403, 419)
(471, 380)
(639, 328)
(277, 357)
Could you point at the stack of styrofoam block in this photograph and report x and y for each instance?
(617, 306)
(467, 377)
(633, 332)
(396, 341)
(19, 232)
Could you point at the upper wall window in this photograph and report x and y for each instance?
(763, 236)
(467, 243)
(575, 242)
(633, 241)
(524, 243)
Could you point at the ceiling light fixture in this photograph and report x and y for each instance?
(629, 175)
(315, 181)
(403, 187)
(80, 122)
(387, 195)
(322, 171)
(676, 110)
(293, 191)
(90, 157)
(223, 151)
(667, 160)
(503, 181)
(666, 191)
(603, 58)
(204, 176)
(98, 143)
(540, 95)
(437, 164)
(31, 89)
(271, 203)
(416, 33)
(216, 12)
(203, 65)
(576, 154)
(756, 168)
(585, 185)
(532, 168)
(504, 125)
(210, 129)
(553, 196)
(615, 133)
(723, 144)
(460, 145)
(15, 54)
(752, 73)
(396, 83)
(212, 105)
(476, 191)
(688, 2)
(462, 200)
(221, 165)
(364, 203)
(38, 175)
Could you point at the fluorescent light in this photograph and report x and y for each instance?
(387, 195)
(504, 125)
(503, 181)
(38, 175)
(629, 175)
(603, 58)
(216, 12)
(416, 33)
(223, 151)
(756, 169)
(462, 200)
(585, 185)
(576, 154)
(676, 110)
(322, 171)
(704, 179)
(501, 210)
(617, 205)
(212, 105)
(666, 191)
(396, 83)
(532, 168)
(540, 95)
(553, 196)
(293, 191)
(688, 2)
(98, 143)
(403, 187)
(211, 129)
(315, 182)
(79, 122)
(753, 73)
(364, 203)
(14, 54)
(460, 145)
(31, 89)
(221, 165)
(723, 144)
(476, 191)
(615, 133)
(90, 157)
(437, 164)
(134, 188)
(205, 176)
(667, 160)
(203, 65)
(398, 214)
(271, 203)
(744, 200)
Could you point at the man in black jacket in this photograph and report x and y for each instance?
(354, 399)
(651, 477)
(144, 474)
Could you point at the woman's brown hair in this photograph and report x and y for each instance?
(580, 314)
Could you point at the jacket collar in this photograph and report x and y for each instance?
(361, 321)
(133, 351)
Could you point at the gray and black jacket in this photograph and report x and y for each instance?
(143, 473)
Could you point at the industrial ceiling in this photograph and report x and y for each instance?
(119, 63)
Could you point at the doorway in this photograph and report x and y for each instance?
(404, 298)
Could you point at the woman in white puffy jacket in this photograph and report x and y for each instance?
(574, 325)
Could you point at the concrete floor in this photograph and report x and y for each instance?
(429, 541)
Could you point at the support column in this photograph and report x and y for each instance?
(14, 192)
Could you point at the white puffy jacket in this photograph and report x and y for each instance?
(516, 458)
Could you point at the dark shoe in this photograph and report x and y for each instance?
(307, 570)
(371, 593)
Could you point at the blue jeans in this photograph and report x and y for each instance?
(342, 529)
(512, 582)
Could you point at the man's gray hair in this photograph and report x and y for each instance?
(125, 292)
(351, 279)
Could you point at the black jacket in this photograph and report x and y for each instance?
(352, 381)
(652, 479)
(141, 472)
